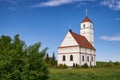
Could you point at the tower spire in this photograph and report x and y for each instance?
(86, 12)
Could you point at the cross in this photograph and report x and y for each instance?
(86, 12)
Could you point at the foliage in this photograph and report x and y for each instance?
(85, 65)
(76, 65)
(62, 66)
(47, 59)
(107, 64)
(51, 62)
(116, 63)
(18, 62)
(53, 57)
(73, 65)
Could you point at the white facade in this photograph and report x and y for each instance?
(71, 51)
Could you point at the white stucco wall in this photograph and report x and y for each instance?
(77, 53)
(68, 40)
(76, 59)
(87, 52)
(68, 50)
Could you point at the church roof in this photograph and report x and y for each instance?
(86, 19)
(82, 41)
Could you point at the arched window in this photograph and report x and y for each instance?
(82, 58)
(92, 58)
(71, 57)
(87, 58)
(64, 58)
(83, 25)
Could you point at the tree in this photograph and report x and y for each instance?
(53, 62)
(18, 62)
(53, 57)
(47, 59)
(5, 44)
(36, 68)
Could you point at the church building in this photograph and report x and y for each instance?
(78, 48)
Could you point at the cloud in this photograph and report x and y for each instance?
(110, 38)
(113, 4)
(57, 2)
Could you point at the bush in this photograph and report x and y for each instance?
(85, 65)
(19, 62)
(74, 65)
(109, 64)
(116, 63)
(62, 66)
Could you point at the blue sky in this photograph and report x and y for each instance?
(48, 21)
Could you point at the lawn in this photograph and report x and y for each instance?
(85, 74)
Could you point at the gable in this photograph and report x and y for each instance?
(68, 40)
(82, 41)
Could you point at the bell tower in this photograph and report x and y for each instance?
(86, 29)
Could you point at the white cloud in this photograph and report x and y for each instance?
(58, 2)
(110, 38)
(113, 4)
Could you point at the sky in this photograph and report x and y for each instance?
(48, 21)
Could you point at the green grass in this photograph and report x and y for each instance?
(85, 74)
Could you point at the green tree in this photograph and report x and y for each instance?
(36, 68)
(18, 62)
(53, 57)
(47, 59)
(53, 61)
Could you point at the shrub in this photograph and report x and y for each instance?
(77, 65)
(116, 63)
(74, 65)
(62, 66)
(85, 65)
(109, 64)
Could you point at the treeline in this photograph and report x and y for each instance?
(51, 61)
(107, 64)
(21, 62)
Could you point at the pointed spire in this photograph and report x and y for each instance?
(86, 12)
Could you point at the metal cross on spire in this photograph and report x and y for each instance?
(86, 12)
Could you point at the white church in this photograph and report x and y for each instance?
(78, 48)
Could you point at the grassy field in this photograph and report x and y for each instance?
(85, 74)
